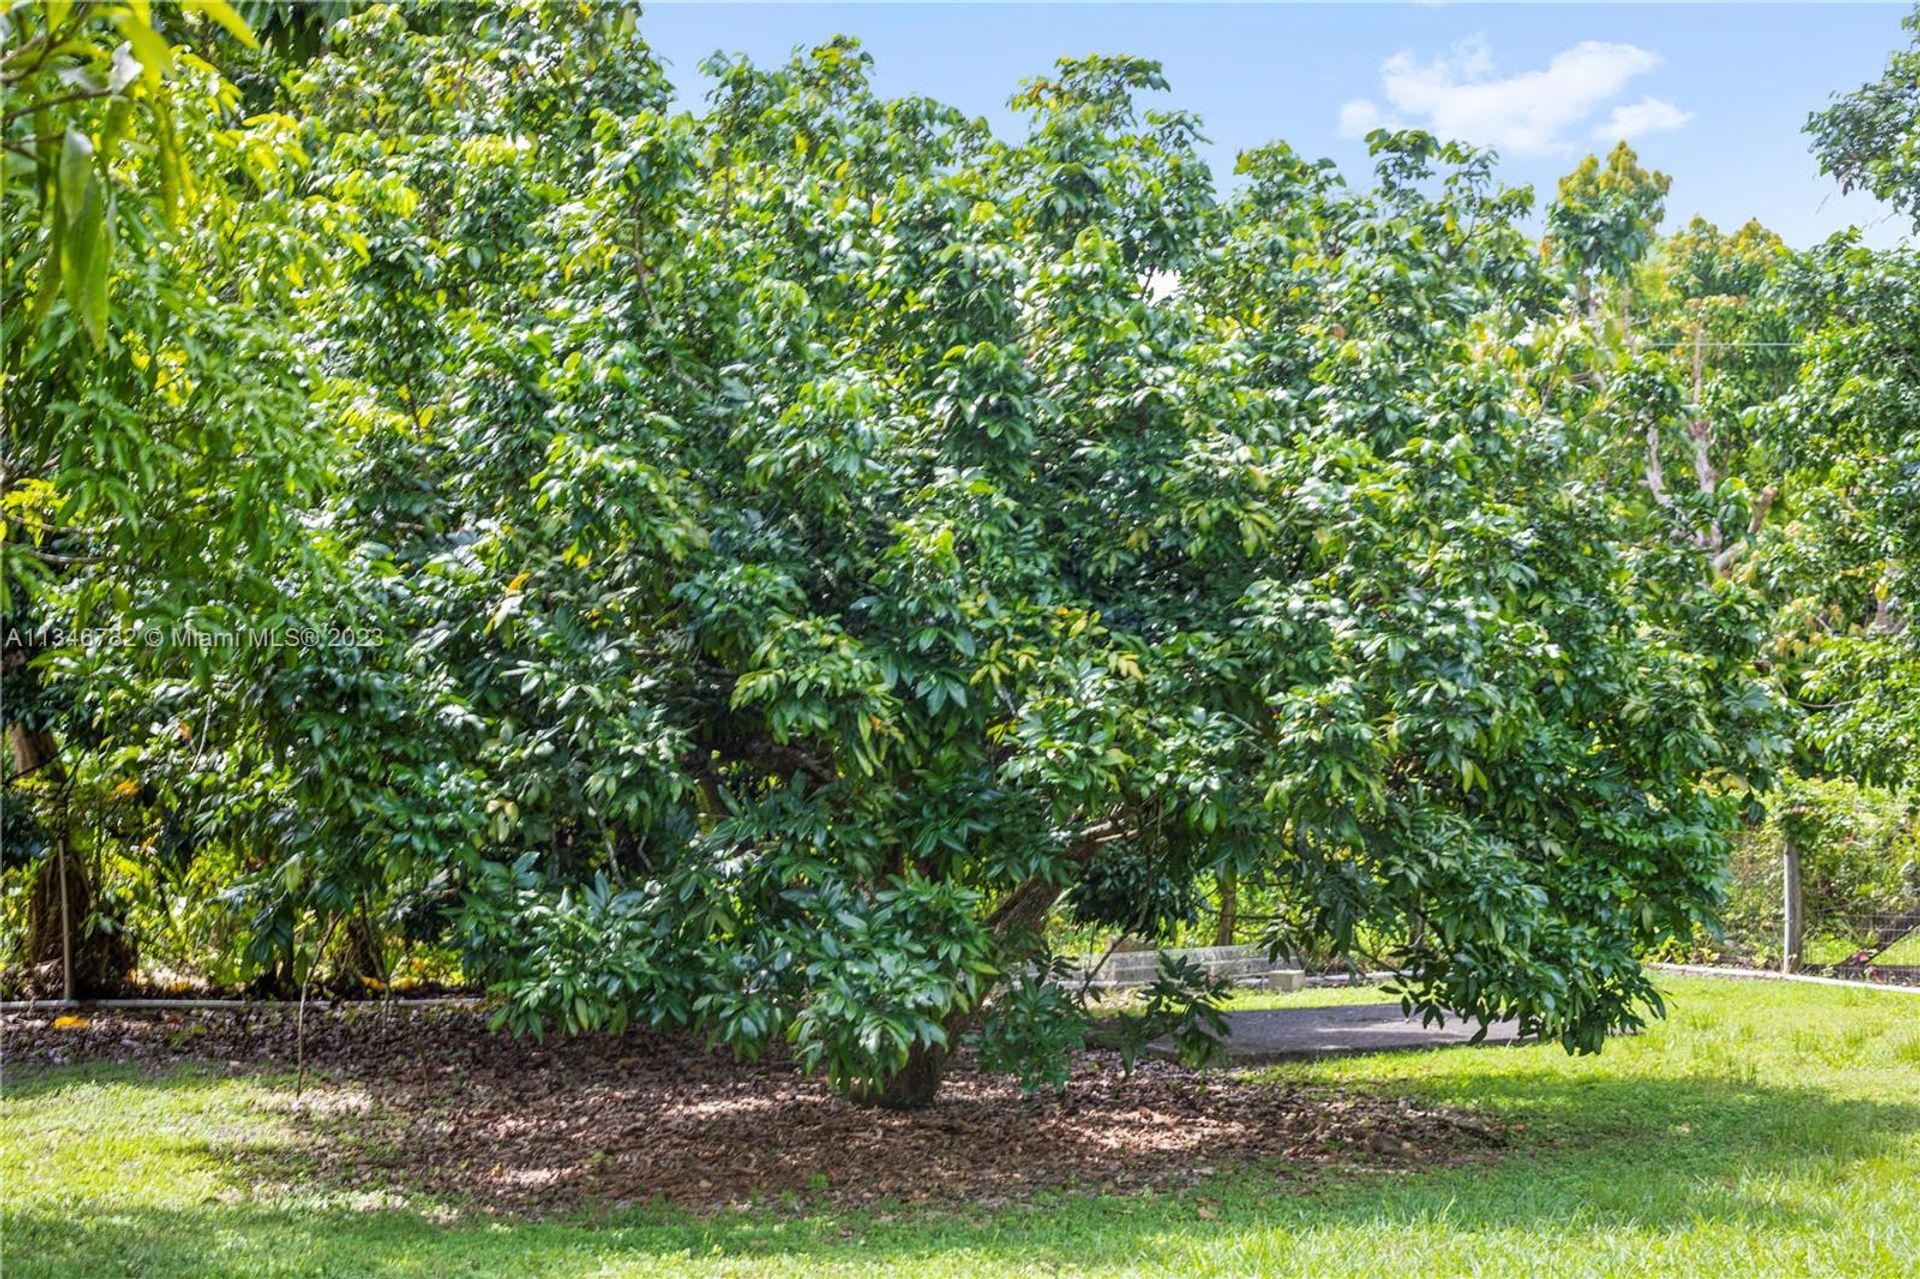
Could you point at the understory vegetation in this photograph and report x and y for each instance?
(775, 570)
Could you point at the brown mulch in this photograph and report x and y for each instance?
(429, 1102)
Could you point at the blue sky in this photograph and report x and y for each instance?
(1713, 94)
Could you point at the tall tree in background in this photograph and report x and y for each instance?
(1603, 223)
(1852, 427)
(156, 438)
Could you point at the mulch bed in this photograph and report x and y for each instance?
(430, 1103)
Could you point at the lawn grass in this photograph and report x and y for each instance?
(1838, 950)
(1905, 951)
(1764, 1130)
(1247, 998)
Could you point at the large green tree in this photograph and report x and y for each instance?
(804, 545)
(1851, 429)
(835, 539)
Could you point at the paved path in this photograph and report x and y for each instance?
(1302, 1034)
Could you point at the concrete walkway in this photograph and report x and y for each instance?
(1303, 1034)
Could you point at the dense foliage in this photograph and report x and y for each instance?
(1852, 421)
(751, 569)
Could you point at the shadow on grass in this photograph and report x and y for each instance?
(1640, 1159)
(21, 1084)
(446, 1113)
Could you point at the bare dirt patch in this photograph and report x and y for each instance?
(430, 1103)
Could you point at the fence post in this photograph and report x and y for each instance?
(66, 928)
(1795, 909)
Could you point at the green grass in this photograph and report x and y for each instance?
(1315, 997)
(1836, 950)
(1765, 1130)
(1904, 951)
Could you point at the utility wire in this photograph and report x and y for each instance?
(1714, 346)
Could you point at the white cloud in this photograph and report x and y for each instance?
(1458, 95)
(1649, 115)
(1359, 118)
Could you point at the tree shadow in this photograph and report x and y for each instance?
(1643, 1160)
(443, 1112)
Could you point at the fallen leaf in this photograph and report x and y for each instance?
(445, 1109)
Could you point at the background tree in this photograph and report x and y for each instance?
(1869, 139)
(1849, 427)
(156, 440)
(1604, 222)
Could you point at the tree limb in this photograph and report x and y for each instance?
(1656, 475)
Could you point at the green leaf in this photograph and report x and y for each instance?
(155, 54)
(48, 287)
(76, 172)
(85, 249)
(93, 291)
(222, 12)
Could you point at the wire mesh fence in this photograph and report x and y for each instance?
(1829, 940)
(1876, 946)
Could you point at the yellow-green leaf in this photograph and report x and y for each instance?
(83, 251)
(155, 54)
(222, 12)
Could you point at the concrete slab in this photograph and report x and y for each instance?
(1129, 969)
(1304, 1034)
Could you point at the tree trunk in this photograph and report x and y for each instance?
(62, 936)
(912, 1087)
(66, 930)
(362, 960)
(1018, 922)
(86, 962)
(1229, 906)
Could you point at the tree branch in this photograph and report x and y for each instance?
(61, 561)
(1888, 616)
(1656, 475)
(1723, 559)
(85, 95)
